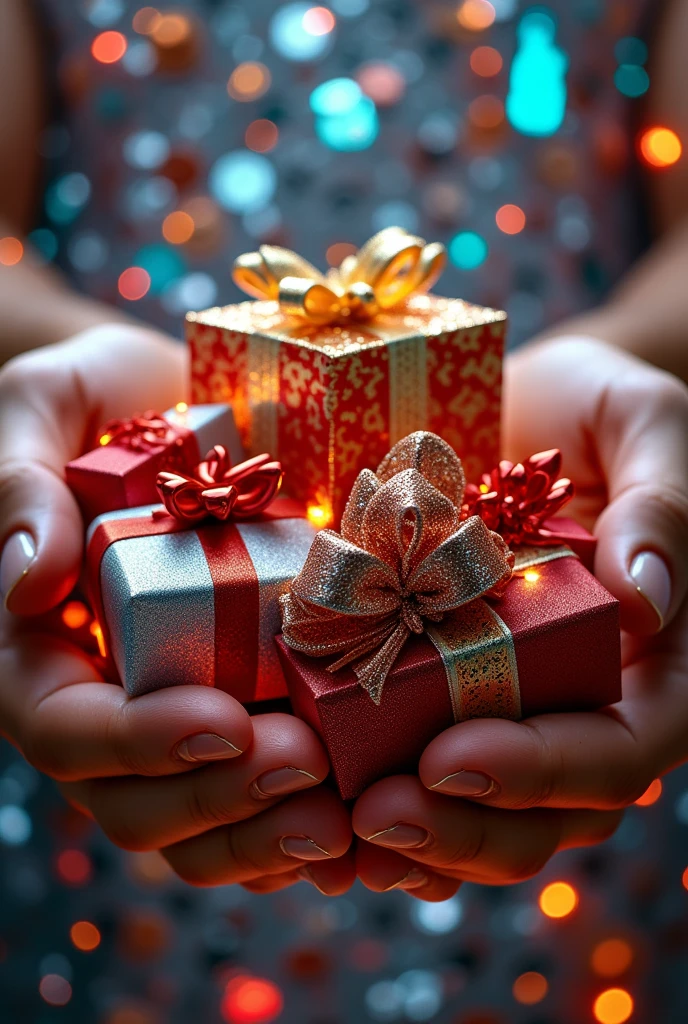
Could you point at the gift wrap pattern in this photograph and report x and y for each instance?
(330, 401)
(195, 607)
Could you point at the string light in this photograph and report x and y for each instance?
(75, 614)
(85, 936)
(134, 283)
(558, 899)
(531, 576)
(109, 47)
(660, 147)
(530, 988)
(11, 251)
(614, 1006)
(510, 219)
(651, 794)
(105, 439)
(181, 407)
(318, 516)
(611, 958)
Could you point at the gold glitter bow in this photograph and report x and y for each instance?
(391, 266)
(403, 558)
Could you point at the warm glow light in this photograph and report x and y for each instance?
(483, 489)
(319, 21)
(145, 20)
(169, 30)
(181, 407)
(251, 1001)
(177, 227)
(134, 283)
(105, 439)
(109, 47)
(97, 632)
(262, 135)
(486, 61)
(11, 251)
(75, 615)
(55, 989)
(611, 957)
(530, 988)
(475, 15)
(85, 936)
(384, 83)
(614, 1006)
(510, 219)
(318, 516)
(338, 252)
(531, 576)
(74, 867)
(486, 112)
(248, 81)
(651, 794)
(684, 879)
(660, 147)
(558, 899)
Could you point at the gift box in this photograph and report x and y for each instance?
(121, 472)
(327, 375)
(436, 621)
(182, 605)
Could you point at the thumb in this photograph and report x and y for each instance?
(643, 532)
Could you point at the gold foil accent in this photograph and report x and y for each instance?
(263, 392)
(408, 387)
(530, 555)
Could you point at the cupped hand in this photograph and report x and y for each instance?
(528, 789)
(184, 768)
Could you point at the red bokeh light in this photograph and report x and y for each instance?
(109, 47)
(249, 1000)
(74, 867)
(134, 283)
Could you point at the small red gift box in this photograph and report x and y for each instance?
(122, 471)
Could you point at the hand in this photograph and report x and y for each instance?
(184, 768)
(623, 429)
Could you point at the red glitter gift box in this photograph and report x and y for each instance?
(436, 620)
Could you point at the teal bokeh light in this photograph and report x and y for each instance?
(631, 80)
(536, 102)
(630, 50)
(337, 97)
(345, 119)
(164, 266)
(468, 250)
(243, 181)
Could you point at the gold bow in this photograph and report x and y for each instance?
(391, 266)
(403, 557)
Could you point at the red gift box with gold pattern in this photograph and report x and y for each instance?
(435, 620)
(328, 373)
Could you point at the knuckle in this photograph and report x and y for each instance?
(203, 808)
(546, 784)
(467, 849)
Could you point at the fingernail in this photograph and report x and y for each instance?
(307, 876)
(405, 837)
(206, 746)
(18, 555)
(464, 783)
(653, 581)
(279, 781)
(413, 880)
(302, 848)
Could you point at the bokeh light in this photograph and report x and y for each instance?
(631, 50)
(530, 988)
(382, 82)
(631, 80)
(611, 957)
(74, 867)
(170, 30)
(318, 516)
(510, 219)
(336, 97)
(475, 15)
(144, 20)
(55, 989)
(177, 227)
(261, 135)
(85, 936)
(684, 879)
(75, 614)
(109, 47)
(613, 1006)
(134, 283)
(536, 101)
(11, 251)
(243, 181)
(248, 81)
(558, 899)
(486, 61)
(249, 1000)
(163, 264)
(486, 112)
(651, 794)
(468, 250)
(346, 119)
(660, 147)
(97, 632)
(338, 252)
(291, 32)
(319, 21)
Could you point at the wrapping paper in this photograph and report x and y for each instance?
(330, 401)
(195, 606)
(565, 630)
(113, 476)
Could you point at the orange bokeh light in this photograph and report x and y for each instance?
(684, 879)
(611, 957)
(558, 899)
(319, 21)
(651, 794)
(614, 1006)
(382, 82)
(170, 30)
(145, 20)
(11, 251)
(74, 867)
(486, 61)
(75, 615)
(248, 81)
(177, 227)
(262, 135)
(250, 1000)
(510, 219)
(486, 112)
(109, 47)
(339, 251)
(660, 147)
(530, 988)
(475, 15)
(85, 936)
(134, 283)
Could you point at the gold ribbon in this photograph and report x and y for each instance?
(385, 272)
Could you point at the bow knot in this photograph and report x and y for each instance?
(215, 489)
(385, 272)
(403, 557)
(146, 432)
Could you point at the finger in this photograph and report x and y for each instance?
(54, 399)
(307, 827)
(383, 870)
(458, 836)
(331, 877)
(272, 883)
(145, 814)
(72, 727)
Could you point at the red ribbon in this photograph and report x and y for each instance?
(515, 500)
(214, 489)
(146, 432)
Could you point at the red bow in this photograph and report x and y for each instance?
(215, 489)
(515, 500)
(142, 433)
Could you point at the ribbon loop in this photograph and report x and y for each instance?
(146, 432)
(386, 271)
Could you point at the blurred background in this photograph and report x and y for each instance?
(180, 137)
